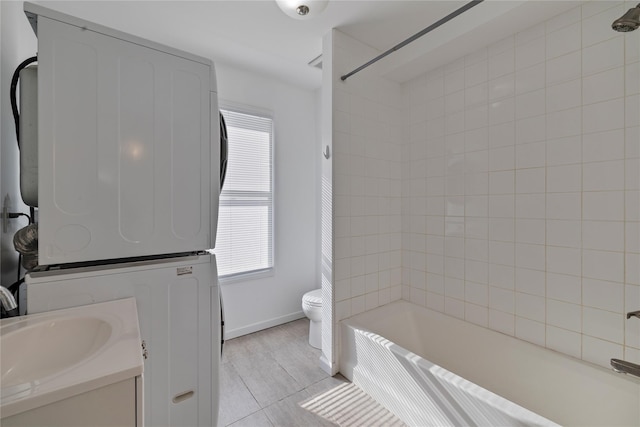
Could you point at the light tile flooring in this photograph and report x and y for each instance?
(273, 378)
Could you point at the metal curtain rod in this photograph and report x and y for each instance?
(415, 36)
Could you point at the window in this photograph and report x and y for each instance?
(245, 221)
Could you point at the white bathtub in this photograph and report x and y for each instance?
(433, 369)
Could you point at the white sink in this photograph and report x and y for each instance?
(51, 356)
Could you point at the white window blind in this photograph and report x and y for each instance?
(245, 221)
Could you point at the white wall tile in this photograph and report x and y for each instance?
(603, 56)
(477, 94)
(454, 81)
(531, 129)
(530, 53)
(502, 276)
(603, 324)
(502, 229)
(519, 188)
(476, 73)
(564, 288)
(501, 111)
(603, 116)
(603, 205)
(502, 253)
(530, 180)
(564, 96)
(501, 63)
(564, 341)
(530, 231)
(530, 205)
(632, 111)
(595, 7)
(599, 351)
(530, 79)
(603, 295)
(502, 182)
(476, 314)
(502, 135)
(502, 299)
(506, 44)
(594, 32)
(531, 307)
(502, 206)
(566, 206)
(530, 330)
(501, 87)
(563, 260)
(564, 151)
(564, 19)
(564, 68)
(603, 265)
(564, 40)
(530, 256)
(564, 233)
(603, 235)
(502, 322)
(564, 315)
(632, 268)
(609, 145)
(604, 86)
(564, 123)
(564, 179)
(530, 104)
(502, 158)
(632, 79)
(454, 307)
(529, 34)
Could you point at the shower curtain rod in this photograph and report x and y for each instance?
(415, 36)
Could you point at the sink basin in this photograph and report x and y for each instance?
(51, 356)
(49, 346)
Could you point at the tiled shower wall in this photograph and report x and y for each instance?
(520, 186)
(367, 139)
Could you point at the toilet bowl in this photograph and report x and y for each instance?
(312, 307)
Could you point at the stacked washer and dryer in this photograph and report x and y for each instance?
(127, 185)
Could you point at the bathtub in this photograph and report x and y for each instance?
(433, 369)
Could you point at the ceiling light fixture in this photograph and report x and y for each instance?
(302, 9)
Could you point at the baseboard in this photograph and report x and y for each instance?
(258, 326)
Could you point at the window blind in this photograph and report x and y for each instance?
(245, 222)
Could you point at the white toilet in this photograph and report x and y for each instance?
(312, 307)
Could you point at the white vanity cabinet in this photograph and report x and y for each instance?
(115, 405)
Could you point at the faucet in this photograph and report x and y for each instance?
(8, 302)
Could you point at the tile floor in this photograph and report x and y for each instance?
(273, 378)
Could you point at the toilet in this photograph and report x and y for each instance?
(312, 307)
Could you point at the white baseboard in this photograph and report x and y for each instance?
(258, 326)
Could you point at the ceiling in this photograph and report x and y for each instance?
(257, 35)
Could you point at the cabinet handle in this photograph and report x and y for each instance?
(183, 396)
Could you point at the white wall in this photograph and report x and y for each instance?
(366, 174)
(256, 304)
(17, 43)
(521, 178)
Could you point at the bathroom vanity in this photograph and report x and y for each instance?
(74, 367)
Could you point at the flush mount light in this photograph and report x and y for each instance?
(302, 9)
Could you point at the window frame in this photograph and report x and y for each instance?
(224, 105)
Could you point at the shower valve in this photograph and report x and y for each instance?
(634, 314)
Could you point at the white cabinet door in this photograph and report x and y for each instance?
(125, 148)
(179, 314)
